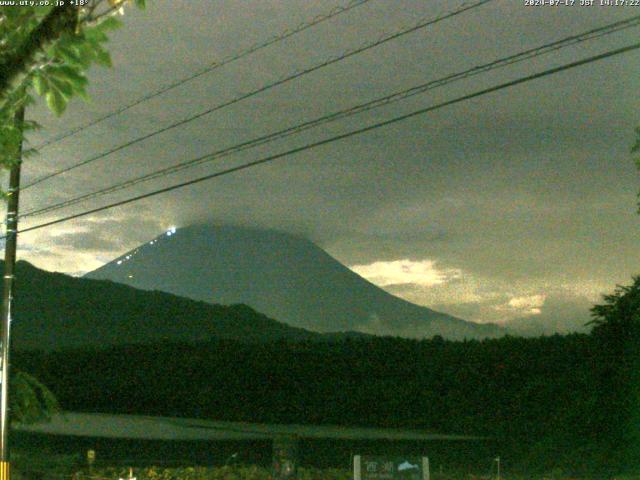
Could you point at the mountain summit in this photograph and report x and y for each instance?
(281, 275)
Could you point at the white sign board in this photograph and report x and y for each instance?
(368, 467)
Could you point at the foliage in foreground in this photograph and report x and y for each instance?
(253, 472)
(31, 401)
(236, 472)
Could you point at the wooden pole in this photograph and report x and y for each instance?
(7, 298)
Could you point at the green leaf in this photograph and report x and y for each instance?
(63, 86)
(70, 75)
(73, 75)
(103, 57)
(40, 84)
(94, 35)
(86, 54)
(69, 55)
(82, 93)
(56, 101)
(109, 23)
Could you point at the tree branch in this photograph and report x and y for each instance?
(62, 19)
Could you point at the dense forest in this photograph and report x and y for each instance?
(561, 401)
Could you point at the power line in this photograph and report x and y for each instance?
(352, 133)
(421, 24)
(386, 100)
(547, 48)
(210, 68)
(298, 74)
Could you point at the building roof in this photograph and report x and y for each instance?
(167, 428)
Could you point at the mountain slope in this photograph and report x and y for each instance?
(286, 277)
(54, 311)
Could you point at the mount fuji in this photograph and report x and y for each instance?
(281, 275)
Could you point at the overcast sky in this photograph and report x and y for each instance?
(518, 204)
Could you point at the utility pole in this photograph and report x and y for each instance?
(7, 297)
